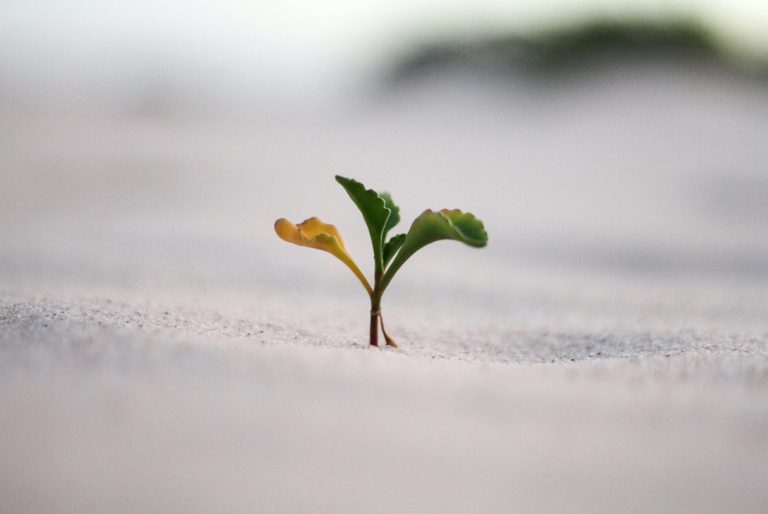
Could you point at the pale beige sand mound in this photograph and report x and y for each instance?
(162, 351)
(170, 405)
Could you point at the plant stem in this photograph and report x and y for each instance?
(390, 342)
(375, 310)
(374, 327)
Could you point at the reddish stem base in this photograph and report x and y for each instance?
(374, 336)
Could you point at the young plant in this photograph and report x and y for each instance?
(389, 254)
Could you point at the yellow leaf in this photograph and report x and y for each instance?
(313, 233)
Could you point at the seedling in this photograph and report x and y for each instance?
(381, 215)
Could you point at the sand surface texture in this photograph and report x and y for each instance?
(162, 351)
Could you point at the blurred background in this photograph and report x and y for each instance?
(157, 338)
(162, 350)
(152, 144)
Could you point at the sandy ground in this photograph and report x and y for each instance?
(162, 351)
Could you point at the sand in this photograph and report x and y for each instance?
(162, 351)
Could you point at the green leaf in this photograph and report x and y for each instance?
(392, 246)
(433, 226)
(394, 217)
(375, 212)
